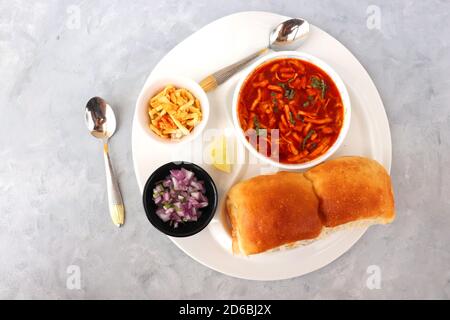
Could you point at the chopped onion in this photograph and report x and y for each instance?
(180, 197)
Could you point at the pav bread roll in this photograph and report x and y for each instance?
(270, 211)
(291, 208)
(353, 189)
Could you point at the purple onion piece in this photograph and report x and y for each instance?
(180, 197)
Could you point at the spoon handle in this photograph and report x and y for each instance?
(115, 201)
(212, 81)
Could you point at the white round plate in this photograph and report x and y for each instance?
(221, 43)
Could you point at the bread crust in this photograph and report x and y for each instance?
(265, 212)
(288, 208)
(352, 188)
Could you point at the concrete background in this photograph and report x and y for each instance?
(53, 210)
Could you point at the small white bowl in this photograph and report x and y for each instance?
(328, 70)
(157, 85)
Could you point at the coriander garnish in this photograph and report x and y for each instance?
(299, 117)
(275, 105)
(317, 83)
(291, 118)
(281, 84)
(308, 136)
(289, 93)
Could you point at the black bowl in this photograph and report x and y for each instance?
(184, 229)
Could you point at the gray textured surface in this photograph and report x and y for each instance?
(52, 196)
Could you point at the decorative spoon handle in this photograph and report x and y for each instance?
(217, 78)
(115, 202)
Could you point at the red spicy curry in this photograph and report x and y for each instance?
(297, 98)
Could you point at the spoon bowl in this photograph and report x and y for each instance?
(100, 119)
(289, 35)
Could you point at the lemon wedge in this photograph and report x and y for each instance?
(219, 154)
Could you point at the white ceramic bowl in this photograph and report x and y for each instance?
(327, 69)
(154, 87)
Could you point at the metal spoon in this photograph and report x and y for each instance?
(101, 122)
(286, 36)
